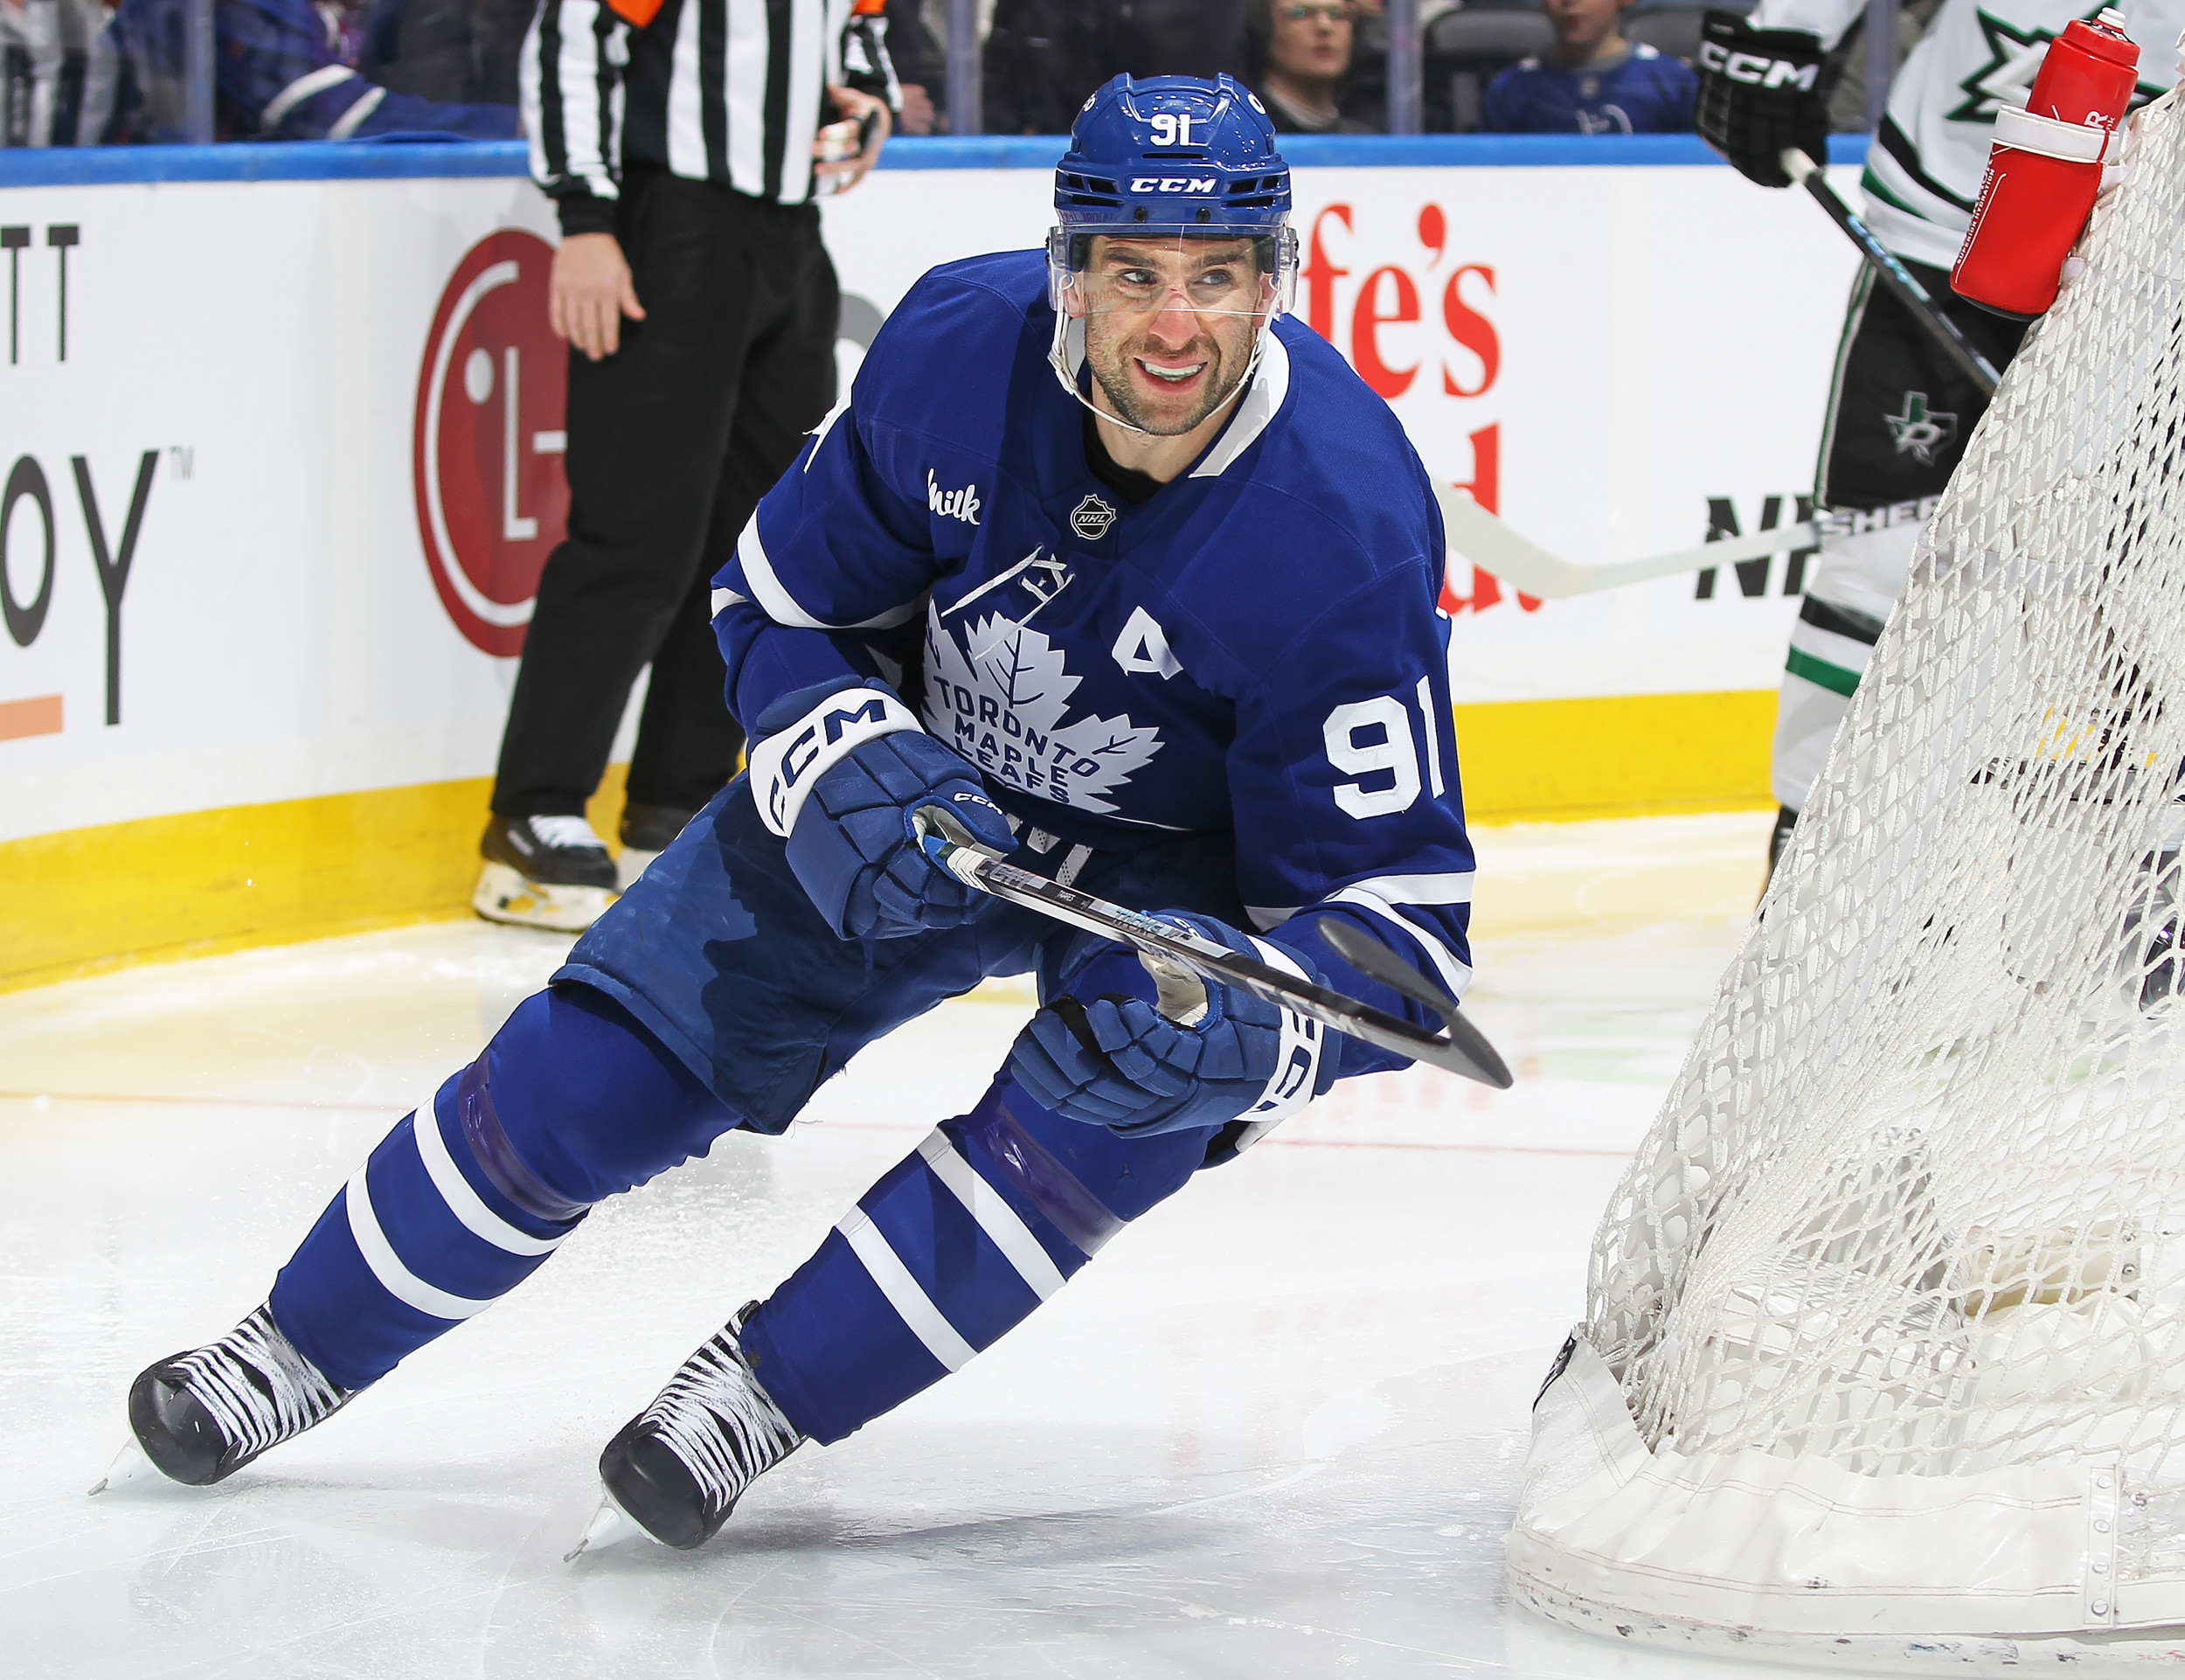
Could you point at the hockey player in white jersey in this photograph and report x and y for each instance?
(1899, 410)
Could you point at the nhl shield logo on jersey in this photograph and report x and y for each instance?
(1090, 518)
(1919, 433)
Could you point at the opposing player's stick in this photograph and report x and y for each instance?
(1460, 1048)
(1477, 535)
(1891, 273)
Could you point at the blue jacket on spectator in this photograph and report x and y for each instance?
(1642, 92)
(287, 70)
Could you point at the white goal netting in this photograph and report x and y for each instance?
(1886, 1324)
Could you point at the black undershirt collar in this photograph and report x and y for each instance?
(1134, 486)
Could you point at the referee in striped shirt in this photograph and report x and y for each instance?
(681, 141)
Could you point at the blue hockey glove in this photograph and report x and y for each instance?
(1116, 1061)
(838, 772)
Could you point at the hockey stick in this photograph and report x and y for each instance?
(1477, 535)
(1460, 1048)
(1891, 273)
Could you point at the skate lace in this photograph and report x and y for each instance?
(253, 1415)
(567, 833)
(715, 1418)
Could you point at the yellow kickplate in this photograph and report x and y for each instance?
(1630, 755)
(87, 900)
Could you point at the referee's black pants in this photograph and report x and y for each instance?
(671, 442)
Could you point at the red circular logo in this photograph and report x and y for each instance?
(491, 497)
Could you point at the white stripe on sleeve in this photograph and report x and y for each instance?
(1455, 975)
(326, 76)
(781, 606)
(577, 81)
(353, 119)
(766, 589)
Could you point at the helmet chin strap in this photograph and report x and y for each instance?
(1066, 354)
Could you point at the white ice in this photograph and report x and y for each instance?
(1274, 1432)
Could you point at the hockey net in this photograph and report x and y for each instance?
(1886, 1323)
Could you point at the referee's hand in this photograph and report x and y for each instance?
(590, 294)
(837, 156)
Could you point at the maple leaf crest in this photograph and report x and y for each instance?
(1000, 704)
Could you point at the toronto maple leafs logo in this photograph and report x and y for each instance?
(1919, 433)
(1003, 703)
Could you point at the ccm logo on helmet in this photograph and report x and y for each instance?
(1756, 70)
(1188, 184)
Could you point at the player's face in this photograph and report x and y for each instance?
(1168, 325)
(1583, 24)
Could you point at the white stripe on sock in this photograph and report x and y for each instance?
(394, 1277)
(995, 1216)
(910, 1302)
(465, 1203)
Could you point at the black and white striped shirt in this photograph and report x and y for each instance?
(727, 91)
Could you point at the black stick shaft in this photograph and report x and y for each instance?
(1893, 273)
(1460, 1048)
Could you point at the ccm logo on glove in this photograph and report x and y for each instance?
(1756, 70)
(787, 763)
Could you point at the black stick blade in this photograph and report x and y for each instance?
(1374, 960)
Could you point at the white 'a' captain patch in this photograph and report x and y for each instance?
(1143, 649)
(1003, 705)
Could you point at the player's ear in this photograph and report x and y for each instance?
(1073, 297)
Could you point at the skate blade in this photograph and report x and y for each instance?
(129, 1465)
(610, 1526)
(505, 895)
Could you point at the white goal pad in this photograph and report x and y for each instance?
(1884, 1353)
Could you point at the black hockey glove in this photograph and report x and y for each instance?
(1759, 94)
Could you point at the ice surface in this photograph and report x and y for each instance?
(1273, 1432)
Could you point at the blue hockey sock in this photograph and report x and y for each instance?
(950, 1249)
(570, 1102)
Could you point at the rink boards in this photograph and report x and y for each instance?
(280, 445)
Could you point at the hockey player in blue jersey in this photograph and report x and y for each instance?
(1124, 571)
(1592, 80)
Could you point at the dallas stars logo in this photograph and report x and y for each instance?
(1917, 432)
(2014, 59)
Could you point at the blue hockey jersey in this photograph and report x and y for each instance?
(1647, 91)
(1255, 648)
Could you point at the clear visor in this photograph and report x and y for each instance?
(1146, 270)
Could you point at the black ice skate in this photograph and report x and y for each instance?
(677, 1468)
(543, 871)
(201, 1416)
(648, 831)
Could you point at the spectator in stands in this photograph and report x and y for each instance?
(1302, 53)
(286, 70)
(462, 52)
(1592, 80)
(1044, 57)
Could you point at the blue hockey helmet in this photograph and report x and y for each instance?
(1172, 151)
(1170, 157)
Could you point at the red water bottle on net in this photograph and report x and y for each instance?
(2045, 167)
